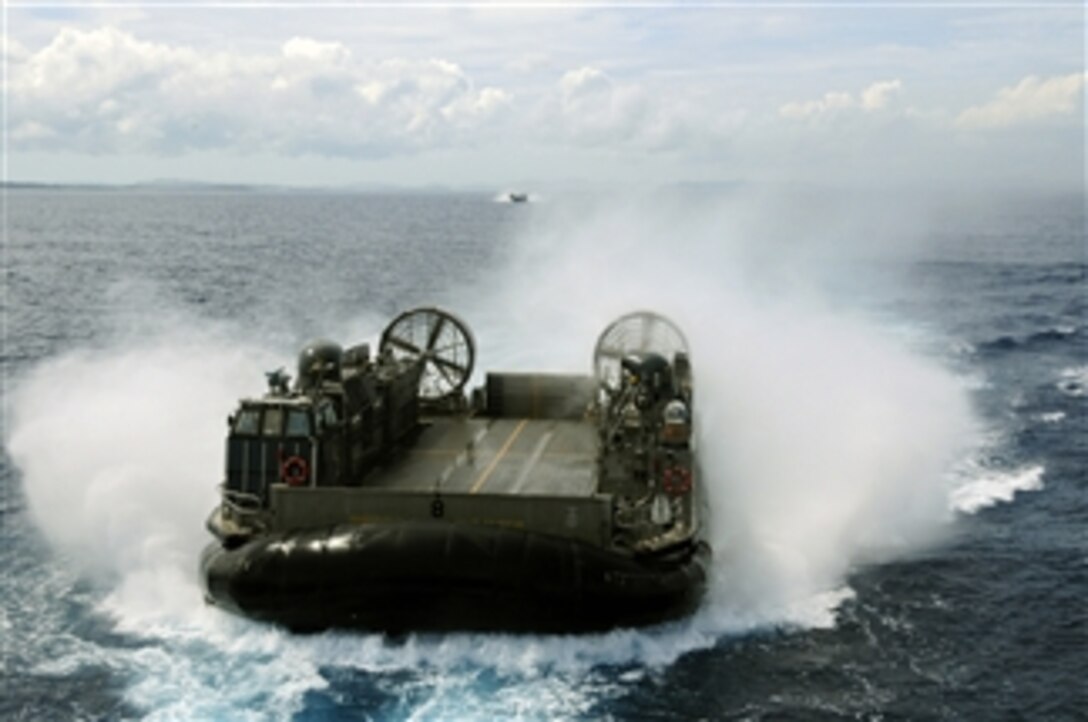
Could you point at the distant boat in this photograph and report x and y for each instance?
(518, 197)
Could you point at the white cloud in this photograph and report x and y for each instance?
(877, 95)
(873, 98)
(1030, 100)
(78, 65)
(11, 49)
(466, 109)
(104, 90)
(593, 107)
(575, 92)
(830, 102)
(310, 49)
(589, 108)
(584, 82)
(530, 62)
(30, 130)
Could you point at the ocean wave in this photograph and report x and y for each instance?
(1001, 343)
(994, 487)
(202, 664)
(1051, 417)
(961, 347)
(1032, 341)
(1074, 381)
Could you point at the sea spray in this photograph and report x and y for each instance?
(823, 443)
(822, 440)
(120, 449)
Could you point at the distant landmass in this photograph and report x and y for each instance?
(177, 184)
(149, 185)
(181, 185)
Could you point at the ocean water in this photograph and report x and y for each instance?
(891, 399)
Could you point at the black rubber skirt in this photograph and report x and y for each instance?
(433, 576)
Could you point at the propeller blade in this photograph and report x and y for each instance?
(404, 345)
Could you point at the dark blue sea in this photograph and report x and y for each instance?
(892, 409)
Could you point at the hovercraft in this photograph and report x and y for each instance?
(374, 493)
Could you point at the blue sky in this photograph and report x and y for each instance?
(493, 94)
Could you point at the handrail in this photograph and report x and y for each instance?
(241, 503)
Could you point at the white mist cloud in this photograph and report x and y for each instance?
(120, 450)
(1031, 100)
(824, 441)
(873, 98)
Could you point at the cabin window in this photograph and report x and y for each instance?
(246, 421)
(298, 423)
(327, 415)
(273, 422)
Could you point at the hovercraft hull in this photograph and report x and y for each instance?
(443, 576)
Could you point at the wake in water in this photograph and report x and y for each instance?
(824, 443)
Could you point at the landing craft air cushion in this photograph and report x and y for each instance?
(375, 494)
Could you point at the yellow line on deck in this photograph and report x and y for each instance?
(498, 457)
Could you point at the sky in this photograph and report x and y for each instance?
(530, 95)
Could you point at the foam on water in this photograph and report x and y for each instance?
(1074, 381)
(989, 488)
(824, 443)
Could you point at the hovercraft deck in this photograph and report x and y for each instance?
(498, 456)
